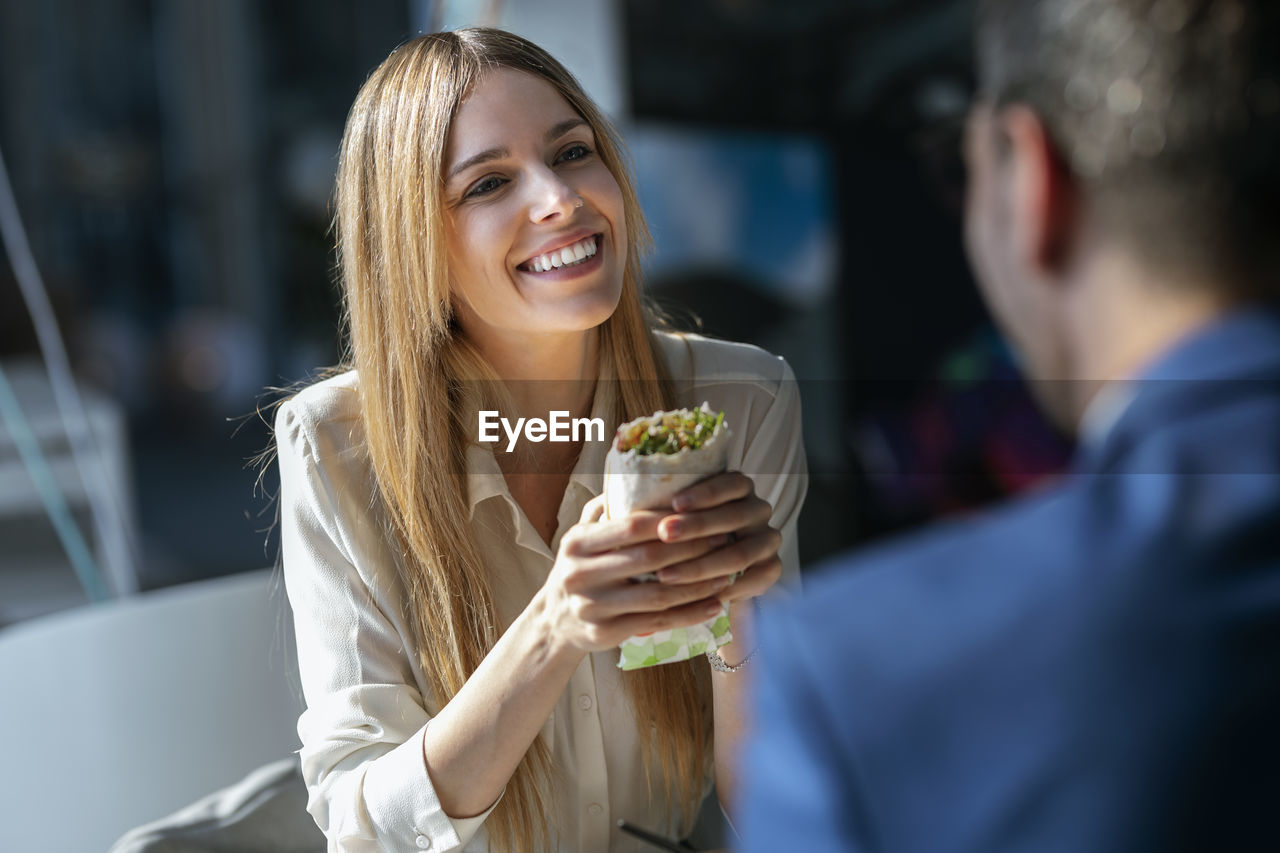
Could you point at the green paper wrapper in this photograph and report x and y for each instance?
(637, 481)
(676, 644)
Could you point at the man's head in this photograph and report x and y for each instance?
(1148, 129)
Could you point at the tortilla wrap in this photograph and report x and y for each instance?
(649, 481)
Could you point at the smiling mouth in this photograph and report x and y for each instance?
(568, 256)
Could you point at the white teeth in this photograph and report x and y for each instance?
(569, 255)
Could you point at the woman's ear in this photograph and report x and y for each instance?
(1044, 195)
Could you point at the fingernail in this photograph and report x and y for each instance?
(681, 502)
(673, 529)
(714, 608)
(667, 576)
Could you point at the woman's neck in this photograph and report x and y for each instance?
(547, 373)
(542, 375)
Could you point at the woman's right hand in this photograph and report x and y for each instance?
(591, 603)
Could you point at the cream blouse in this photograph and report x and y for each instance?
(367, 706)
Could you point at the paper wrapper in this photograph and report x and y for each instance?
(633, 481)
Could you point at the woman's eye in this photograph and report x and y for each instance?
(574, 152)
(484, 187)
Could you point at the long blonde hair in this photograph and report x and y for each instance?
(413, 366)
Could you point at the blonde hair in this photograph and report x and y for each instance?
(413, 366)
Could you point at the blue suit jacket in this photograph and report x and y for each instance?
(1096, 668)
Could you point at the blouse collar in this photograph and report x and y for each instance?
(484, 477)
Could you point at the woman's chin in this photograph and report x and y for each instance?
(584, 312)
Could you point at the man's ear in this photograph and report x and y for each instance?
(1045, 197)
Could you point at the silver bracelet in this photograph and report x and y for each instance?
(718, 664)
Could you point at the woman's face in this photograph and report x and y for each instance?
(536, 233)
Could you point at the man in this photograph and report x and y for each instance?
(1095, 667)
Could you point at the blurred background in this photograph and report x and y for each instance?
(172, 161)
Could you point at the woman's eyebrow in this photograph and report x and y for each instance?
(482, 157)
(564, 127)
(489, 154)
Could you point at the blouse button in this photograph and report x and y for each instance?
(584, 702)
(423, 842)
(595, 809)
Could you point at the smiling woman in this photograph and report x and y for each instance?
(459, 608)
(537, 238)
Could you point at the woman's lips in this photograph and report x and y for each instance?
(590, 265)
(568, 255)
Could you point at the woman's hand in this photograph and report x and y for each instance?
(719, 505)
(589, 599)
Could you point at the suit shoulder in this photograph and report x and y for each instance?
(953, 589)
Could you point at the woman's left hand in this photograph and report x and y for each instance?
(725, 503)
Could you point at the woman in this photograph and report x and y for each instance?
(458, 606)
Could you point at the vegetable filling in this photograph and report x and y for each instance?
(670, 433)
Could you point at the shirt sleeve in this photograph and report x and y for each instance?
(775, 461)
(363, 728)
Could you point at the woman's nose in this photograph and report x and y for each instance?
(551, 197)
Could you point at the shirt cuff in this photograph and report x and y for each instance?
(413, 811)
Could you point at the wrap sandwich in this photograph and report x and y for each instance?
(651, 460)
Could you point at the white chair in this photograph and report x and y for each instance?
(118, 714)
